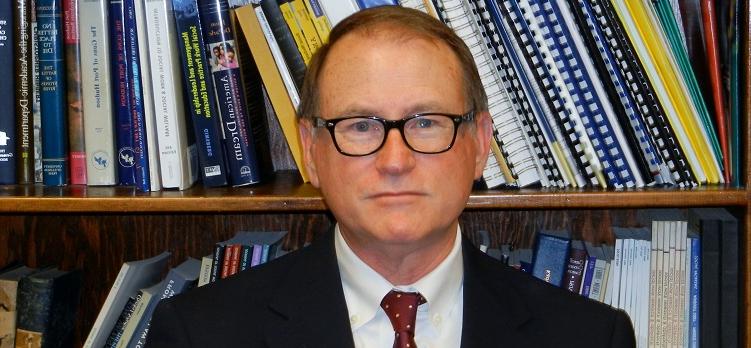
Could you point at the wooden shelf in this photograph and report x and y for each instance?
(287, 193)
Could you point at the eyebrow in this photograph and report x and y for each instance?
(358, 110)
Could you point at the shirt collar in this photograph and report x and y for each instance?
(364, 288)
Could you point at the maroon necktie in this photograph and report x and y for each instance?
(401, 307)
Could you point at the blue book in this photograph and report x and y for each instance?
(695, 294)
(265, 253)
(135, 92)
(198, 90)
(8, 119)
(257, 255)
(178, 280)
(363, 4)
(551, 256)
(126, 159)
(588, 276)
(221, 48)
(52, 93)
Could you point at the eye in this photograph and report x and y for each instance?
(424, 123)
(361, 126)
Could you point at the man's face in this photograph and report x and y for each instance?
(394, 196)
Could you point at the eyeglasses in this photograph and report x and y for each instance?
(427, 133)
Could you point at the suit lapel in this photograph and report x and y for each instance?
(493, 311)
(310, 305)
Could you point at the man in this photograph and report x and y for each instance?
(395, 128)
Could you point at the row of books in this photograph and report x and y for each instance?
(126, 313)
(128, 92)
(38, 307)
(582, 93)
(677, 277)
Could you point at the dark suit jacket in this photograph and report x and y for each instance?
(298, 301)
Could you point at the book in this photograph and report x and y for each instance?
(36, 105)
(73, 97)
(286, 11)
(286, 41)
(48, 302)
(178, 280)
(198, 86)
(242, 162)
(97, 93)
(8, 299)
(363, 4)
(149, 98)
(8, 138)
(336, 10)
(52, 93)
(551, 255)
(133, 275)
(321, 23)
(141, 103)
(117, 331)
(24, 120)
(126, 171)
(575, 266)
(254, 33)
(178, 154)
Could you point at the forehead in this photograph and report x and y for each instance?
(390, 68)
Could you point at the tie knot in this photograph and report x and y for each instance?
(401, 308)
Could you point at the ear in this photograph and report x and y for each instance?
(484, 135)
(305, 127)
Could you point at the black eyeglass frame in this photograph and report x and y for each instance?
(398, 124)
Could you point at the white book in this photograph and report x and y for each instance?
(98, 122)
(616, 271)
(687, 291)
(178, 158)
(133, 276)
(140, 310)
(680, 302)
(36, 105)
(148, 97)
(598, 279)
(205, 276)
(336, 10)
(276, 52)
(669, 284)
(643, 296)
(653, 283)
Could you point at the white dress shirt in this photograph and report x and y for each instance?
(439, 321)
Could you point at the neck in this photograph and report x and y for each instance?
(403, 263)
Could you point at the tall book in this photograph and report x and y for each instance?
(148, 98)
(126, 171)
(52, 93)
(24, 150)
(292, 55)
(141, 110)
(96, 72)
(74, 99)
(575, 266)
(47, 306)
(254, 33)
(198, 89)
(178, 155)
(133, 275)
(7, 120)
(229, 92)
(8, 300)
(36, 105)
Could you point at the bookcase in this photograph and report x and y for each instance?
(98, 228)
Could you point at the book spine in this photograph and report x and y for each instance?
(8, 137)
(306, 24)
(695, 301)
(136, 94)
(125, 157)
(72, 50)
(24, 151)
(177, 151)
(257, 254)
(216, 265)
(229, 92)
(575, 269)
(321, 23)
(285, 7)
(198, 86)
(551, 255)
(52, 93)
(286, 41)
(246, 257)
(33, 307)
(122, 320)
(98, 122)
(36, 105)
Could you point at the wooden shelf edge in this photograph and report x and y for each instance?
(305, 198)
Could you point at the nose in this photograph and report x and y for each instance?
(394, 157)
